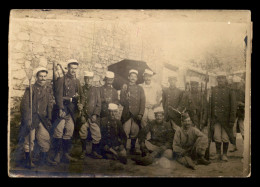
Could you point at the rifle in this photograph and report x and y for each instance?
(207, 154)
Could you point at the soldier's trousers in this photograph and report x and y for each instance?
(168, 153)
(42, 136)
(131, 128)
(198, 149)
(148, 116)
(220, 134)
(65, 128)
(94, 130)
(240, 123)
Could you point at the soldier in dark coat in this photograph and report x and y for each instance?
(38, 127)
(132, 98)
(239, 91)
(108, 94)
(67, 90)
(91, 115)
(113, 141)
(160, 144)
(172, 99)
(195, 107)
(223, 115)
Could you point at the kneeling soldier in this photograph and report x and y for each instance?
(38, 127)
(189, 144)
(114, 139)
(160, 143)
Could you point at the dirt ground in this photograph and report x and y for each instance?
(90, 167)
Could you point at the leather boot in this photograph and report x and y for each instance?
(66, 149)
(133, 149)
(28, 162)
(58, 149)
(218, 150)
(225, 148)
(234, 147)
(96, 152)
(83, 144)
(201, 160)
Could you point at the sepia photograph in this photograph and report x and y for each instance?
(130, 93)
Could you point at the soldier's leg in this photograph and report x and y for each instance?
(57, 140)
(145, 118)
(225, 140)
(28, 147)
(83, 134)
(217, 139)
(122, 155)
(66, 139)
(134, 130)
(186, 161)
(241, 126)
(235, 134)
(168, 153)
(127, 127)
(96, 137)
(44, 141)
(200, 146)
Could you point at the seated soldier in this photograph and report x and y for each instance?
(160, 143)
(113, 141)
(189, 144)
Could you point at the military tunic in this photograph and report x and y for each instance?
(112, 133)
(161, 134)
(107, 95)
(223, 111)
(42, 104)
(172, 97)
(194, 107)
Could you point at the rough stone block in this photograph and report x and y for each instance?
(23, 36)
(43, 61)
(38, 48)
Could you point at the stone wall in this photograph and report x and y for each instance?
(95, 44)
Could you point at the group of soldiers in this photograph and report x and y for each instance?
(166, 122)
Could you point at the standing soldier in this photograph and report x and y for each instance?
(67, 89)
(108, 94)
(240, 102)
(172, 100)
(189, 144)
(113, 141)
(223, 115)
(91, 113)
(38, 127)
(196, 104)
(153, 95)
(132, 98)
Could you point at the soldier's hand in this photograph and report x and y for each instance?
(80, 106)
(121, 147)
(94, 118)
(62, 114)
(83, 119)
(49, 125)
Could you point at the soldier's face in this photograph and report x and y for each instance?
(147, 79)
(88, 80)
(132, 78)
(221, 80)
(109, 81)
(159, 117)
(113, 114)
(186, 123)
(41, 78)
(172, 82)
(194, 86)
(72, 69)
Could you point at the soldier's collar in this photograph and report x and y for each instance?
(70, 76)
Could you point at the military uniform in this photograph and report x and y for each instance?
(91, 106)
(153, 95)
(67, 88)
(161, 136)
(107, 95)
(188, 145)
(172, 97)
(133, 102)
(113, 135)
(194, 107)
